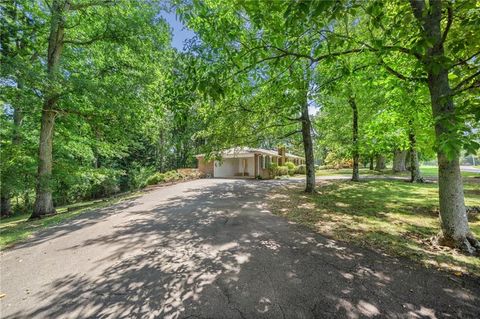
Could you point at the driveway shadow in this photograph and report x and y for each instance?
(216, 252)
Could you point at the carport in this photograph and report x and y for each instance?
(238, 166)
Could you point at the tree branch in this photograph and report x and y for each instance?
(101, 36)
(449, 22)
(400, 75)
(458, 88)
(465, 60)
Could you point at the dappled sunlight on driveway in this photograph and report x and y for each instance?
(211, 249)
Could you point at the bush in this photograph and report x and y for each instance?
(137, 177)
(290, 165)
(156, 178)
(171, 176)
(282, 170)
(272, 168)
(189, 173)
(301, 169)
(292, 168)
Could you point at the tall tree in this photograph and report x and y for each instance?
(115, 23)
(453, 215)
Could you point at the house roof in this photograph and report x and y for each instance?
(242, 151)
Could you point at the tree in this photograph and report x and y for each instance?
(452, 207)
(421, 30)
(108, 29)
(436, 52)
(18, 49)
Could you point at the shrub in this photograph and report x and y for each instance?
(272, 168)
(189, 173)
(301, 169)
(171, 176)
(282, 170)
(290, 165)
(137, 177)
(155, 179)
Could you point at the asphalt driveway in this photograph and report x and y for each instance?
(211, 249)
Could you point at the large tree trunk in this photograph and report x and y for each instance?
(399, 157)
(308, 148)
(453, 216)
(355, 152)
(380, 162)
(43, 201)
(371, 163)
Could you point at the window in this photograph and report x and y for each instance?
(263, 162)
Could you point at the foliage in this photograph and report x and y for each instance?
(292, 168)
(282, 170)
(155, 179)
(290, 165)
(272, 169)
(172, 176)
(301, 169)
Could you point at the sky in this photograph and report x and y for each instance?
(180, 32)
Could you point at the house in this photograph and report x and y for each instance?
(245, 162)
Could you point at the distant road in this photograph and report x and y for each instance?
(470, 169)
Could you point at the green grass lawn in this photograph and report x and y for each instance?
(16, 228)
(427, 171)
(393, 216)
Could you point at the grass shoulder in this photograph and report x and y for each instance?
(392, 216)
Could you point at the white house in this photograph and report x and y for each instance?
(245, 162)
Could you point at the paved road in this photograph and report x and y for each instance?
(211, 249)
(470, 169)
